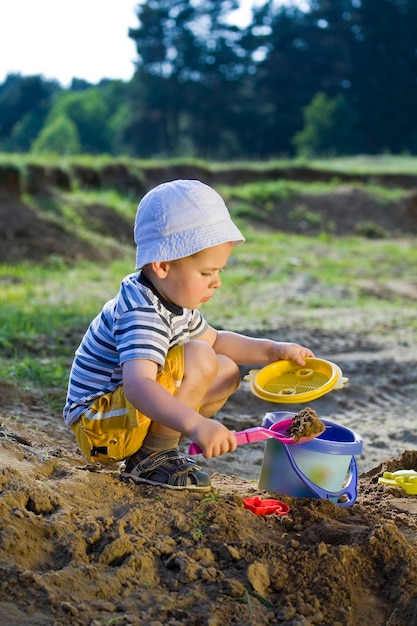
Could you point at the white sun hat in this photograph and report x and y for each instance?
(179, 218)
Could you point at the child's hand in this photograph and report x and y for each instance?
(292, 351)
(213, 438)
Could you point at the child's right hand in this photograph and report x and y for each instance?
(213, 438)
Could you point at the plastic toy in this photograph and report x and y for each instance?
(406, 479)
(265, 507)
(259, 433)
(286, 382)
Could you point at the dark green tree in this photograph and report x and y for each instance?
(60, 136)
(24, 131)
(384, 73)
(24, 105)
(89, 112)
(330, 128)
(205, 87)
(304, 52)
(189, 67)
(92, 112)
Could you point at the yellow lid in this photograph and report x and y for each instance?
(289, 383)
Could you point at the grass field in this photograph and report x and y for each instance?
(275, 279)
(270, 281)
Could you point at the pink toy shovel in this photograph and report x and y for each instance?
(259, 433)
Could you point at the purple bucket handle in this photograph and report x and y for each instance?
(350, 489)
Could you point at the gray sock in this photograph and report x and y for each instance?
(158, 443)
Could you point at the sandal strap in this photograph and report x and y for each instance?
(157, 459)
(166, 468)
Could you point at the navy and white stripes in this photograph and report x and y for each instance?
(136, 324)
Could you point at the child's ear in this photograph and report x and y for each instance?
(160, 268)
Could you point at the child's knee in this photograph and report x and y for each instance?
(229, 371)
(200, 360)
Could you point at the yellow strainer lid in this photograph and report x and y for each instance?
(289, 383)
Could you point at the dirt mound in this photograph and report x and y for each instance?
(79, 547)
(344, 211)
(36, 234)
(29, 234)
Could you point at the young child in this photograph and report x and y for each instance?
(150, 368)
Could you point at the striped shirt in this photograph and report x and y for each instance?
(137, 324)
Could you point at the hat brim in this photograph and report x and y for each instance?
(180, 245)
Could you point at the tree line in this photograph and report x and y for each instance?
(337, 78)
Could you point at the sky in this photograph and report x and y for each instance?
(66, 39)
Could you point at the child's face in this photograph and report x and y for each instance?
(192, 281)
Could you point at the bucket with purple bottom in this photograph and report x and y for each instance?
(324, 467)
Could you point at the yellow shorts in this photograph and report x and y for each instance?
(111, 429)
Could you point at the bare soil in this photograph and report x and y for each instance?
(80, 548)
(35, 235)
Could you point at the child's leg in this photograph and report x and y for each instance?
(224, 385)
(209, 378)
(208, 381)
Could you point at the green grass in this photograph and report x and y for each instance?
(274, 277)
(73, 206)
(257, 200)
(43, 315)
(366, 164)
(272, 280)
(268, 191)
(360, 164)
(36, 300)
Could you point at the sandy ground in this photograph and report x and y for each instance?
(79, 547)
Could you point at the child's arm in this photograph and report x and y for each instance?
(245, 350)
(149, 397)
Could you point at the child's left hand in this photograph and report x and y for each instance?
(293, 351)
